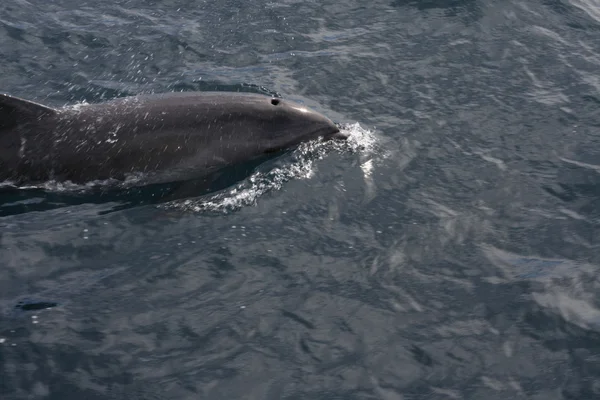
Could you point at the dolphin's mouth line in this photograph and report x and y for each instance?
(327, 133)
(272, 150)
(335, 134)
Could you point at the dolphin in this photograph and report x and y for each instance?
(163, 137)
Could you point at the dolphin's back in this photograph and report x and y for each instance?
(132, 134)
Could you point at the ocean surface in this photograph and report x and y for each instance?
(449, 250)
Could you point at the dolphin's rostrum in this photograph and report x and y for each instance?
(165, 137)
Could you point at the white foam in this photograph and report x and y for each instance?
(302, 166)
(77, 106)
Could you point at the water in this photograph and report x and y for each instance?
(450, 252)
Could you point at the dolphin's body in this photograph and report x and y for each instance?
(164, 137)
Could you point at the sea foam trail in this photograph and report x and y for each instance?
(301, 166)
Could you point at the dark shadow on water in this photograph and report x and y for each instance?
(30, 305)
(15, 201)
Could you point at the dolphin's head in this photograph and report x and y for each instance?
(289, 123)
(236, 127)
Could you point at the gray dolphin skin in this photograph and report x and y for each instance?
(165, 137)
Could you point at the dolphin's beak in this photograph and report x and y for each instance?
(334, 132)
(323, 126)
(338, 134)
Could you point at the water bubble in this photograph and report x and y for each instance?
(302, 166)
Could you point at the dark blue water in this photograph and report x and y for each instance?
(450, 251)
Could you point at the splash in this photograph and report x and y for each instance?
(301, 166)
(77, 106)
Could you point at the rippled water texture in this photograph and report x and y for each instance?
(450, 253)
